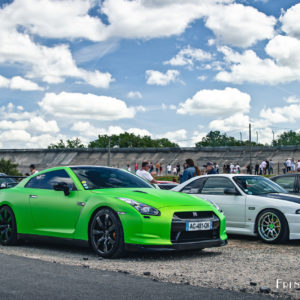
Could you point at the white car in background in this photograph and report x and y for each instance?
(253, 205)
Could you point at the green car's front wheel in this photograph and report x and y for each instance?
(8, 227)
(106, 234)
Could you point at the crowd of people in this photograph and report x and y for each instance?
(189, 169)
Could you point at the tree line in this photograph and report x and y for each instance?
(212, 139)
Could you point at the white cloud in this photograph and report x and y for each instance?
(284, 114)
(216, 102)
(240, 25)
(201, 77)
(50, 64)
(177, 136)
(86, 129)
(86, 106)
(19, 83)
(290, 21)
(158, 78)
(131, 19)
(293, 99)
(55, 19)
(16, 113)
(238, 121)
(134, 95)
(248, 67)
(197, 137)
(188, 56)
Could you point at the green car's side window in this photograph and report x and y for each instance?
(49, 179)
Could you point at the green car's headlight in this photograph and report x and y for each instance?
(142, 208)
(214, 204)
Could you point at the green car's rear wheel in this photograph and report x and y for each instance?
(106, 234)
(8, 227)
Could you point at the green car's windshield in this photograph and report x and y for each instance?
(257, 185)
(93, 178)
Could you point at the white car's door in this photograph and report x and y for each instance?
(223, 192)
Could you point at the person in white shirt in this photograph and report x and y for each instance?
(144, 172)
(288, 165)
(32, 169)
(169, 168)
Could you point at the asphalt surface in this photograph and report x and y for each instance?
(25, 278)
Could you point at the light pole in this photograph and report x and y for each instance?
(241, 135)
(273, 138)
(256, 137)
(250, 150)
(108, 153)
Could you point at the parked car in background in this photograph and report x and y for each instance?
(253, 205)
(166, 185)
(110, 209)
(290, 182)
(7, 181)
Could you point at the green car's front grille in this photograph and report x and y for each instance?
(178, 228)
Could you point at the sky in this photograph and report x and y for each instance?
(165, 68)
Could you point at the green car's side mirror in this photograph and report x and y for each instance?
(62, 186)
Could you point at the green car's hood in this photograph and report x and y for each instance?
(153, 197)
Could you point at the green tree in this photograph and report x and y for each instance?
(130, 140)
(76, 143)
(216, 139)
(288, 138)
(9, 168)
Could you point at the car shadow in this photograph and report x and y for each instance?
(254, 239)
(83, 249)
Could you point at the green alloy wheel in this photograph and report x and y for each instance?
(272, 226)
(110, 209)
(8, 232)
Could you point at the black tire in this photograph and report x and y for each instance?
(8, 227)
(106, 234)
(272, 227)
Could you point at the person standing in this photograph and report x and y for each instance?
(256, 168)
(178, 168)
(271, 167)
(190, 171)
(210, 168)
(33, 169)
(157, 165)
(144, 172)
(136, 167)
(128, 168)
(169, 169)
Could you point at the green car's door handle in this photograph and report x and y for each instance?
(33, 196)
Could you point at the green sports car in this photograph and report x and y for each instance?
(110, 208)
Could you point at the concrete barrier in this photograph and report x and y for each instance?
(120, 157)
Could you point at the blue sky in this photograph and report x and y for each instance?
(165, 68)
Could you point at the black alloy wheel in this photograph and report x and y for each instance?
(106, 234)
(8, 228)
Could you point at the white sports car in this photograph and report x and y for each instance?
(253, 205)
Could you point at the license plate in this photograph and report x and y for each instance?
(193, 226)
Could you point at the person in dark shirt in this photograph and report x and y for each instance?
(210, 168)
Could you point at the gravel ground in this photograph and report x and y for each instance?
(245, 264)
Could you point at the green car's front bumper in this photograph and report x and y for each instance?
(177, 247)
(168, 231)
